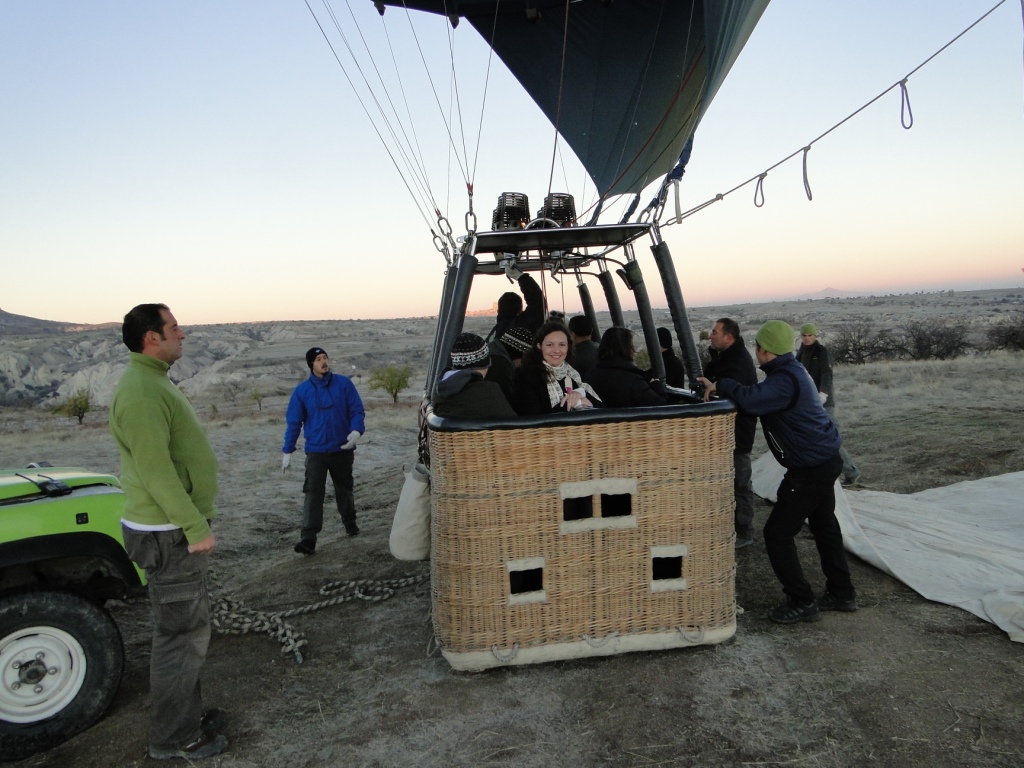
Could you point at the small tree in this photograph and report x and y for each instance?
(77, 405)
(257, 397)
(391, 378)
(1008, 333)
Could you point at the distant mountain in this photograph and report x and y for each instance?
(827, 293)
(19, 325)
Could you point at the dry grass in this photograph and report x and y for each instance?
(902, 683)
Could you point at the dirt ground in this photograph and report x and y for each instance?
(902, 682)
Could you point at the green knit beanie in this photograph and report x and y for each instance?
(808, 329)
(776, 337)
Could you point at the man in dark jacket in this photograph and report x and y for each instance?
(511, 312)
(804, 441)
(675, 373)
(327, 410)
(584, 348)
(818, 361)
(730, 359)
(463, 391)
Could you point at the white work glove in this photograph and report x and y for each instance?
(823, 397)
(353, 438)
(286, 459)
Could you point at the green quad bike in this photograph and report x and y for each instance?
(61, 558)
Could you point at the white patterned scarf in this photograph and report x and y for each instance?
(557, 374)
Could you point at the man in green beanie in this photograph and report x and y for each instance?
(805, 441)
(818, 361)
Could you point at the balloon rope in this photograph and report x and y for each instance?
(561, 84)
(904, 107)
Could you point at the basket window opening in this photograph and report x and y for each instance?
(610, 505)
(528, 580)
(667, 568)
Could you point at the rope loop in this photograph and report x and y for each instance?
(692, 636)
(759, 191)
(906, 113)
(807, 184)
(505, 656)
(595, 643)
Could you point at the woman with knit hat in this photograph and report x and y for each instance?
(805, 441)
(546, 382)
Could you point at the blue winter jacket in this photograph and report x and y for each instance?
(326, 410)
(798, 430)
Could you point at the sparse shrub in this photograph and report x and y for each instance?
(257, 397)
(1007, 333)
(391, 378)
(934, 339)
(860, 343)
(77, 405)
(642, 360)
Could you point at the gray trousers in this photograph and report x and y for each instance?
(744, 492)
(181, 632)
(849, 470)
(318, 466)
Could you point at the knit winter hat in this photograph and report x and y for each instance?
(665, 338)
(808, 329)
(776, 337)
(519, 338)
(313, 354)
(470, 351)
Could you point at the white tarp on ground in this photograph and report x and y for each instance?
(961, 545)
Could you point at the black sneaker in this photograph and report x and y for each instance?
(305, 547)
(352, 530)
(830, 602)
(207, 745)
(791, 612)
(213, 720)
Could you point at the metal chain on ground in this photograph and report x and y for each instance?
(232, 617)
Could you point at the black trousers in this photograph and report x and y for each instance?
(318, 466)
(808, 494)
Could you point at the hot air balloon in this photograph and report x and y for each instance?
(606, 530)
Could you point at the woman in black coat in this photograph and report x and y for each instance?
(546, 382)
(620, 382)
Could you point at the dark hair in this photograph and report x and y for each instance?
(616, 344)
(581, 325)
(729, 327)
(139, 321)
(533, 358)
(509, 305)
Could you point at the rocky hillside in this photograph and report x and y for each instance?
(224, 364)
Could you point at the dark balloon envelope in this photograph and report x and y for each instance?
(638, 75)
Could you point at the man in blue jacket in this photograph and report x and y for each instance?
(804, 441)
(326, 408)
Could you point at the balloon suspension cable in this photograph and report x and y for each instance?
(906, 120)
(561, 86)
(366, 110)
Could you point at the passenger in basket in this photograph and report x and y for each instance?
(464, 391)
(546, 382)
(507, 355)
(805, 441)
(584, 348)
(616, 377)
(511, 312)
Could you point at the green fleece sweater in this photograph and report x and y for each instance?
(168, 469)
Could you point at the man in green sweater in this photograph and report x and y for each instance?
(169, 476)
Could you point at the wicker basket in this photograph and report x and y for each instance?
(653, 567)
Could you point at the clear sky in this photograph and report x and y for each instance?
(211, 155)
